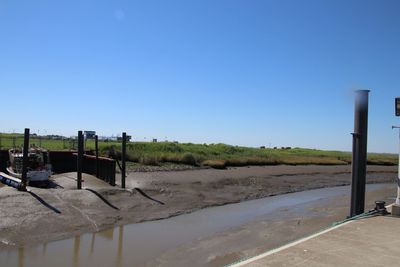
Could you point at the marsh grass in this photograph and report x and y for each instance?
(213, 155)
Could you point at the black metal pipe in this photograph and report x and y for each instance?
(80, 160)
(123, 159)
(359, 157)
(25, 159)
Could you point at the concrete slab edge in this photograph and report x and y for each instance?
(265, 254)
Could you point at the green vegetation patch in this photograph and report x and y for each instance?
(214, 155)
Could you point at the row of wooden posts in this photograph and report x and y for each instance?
(79, 159)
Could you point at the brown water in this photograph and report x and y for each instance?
(133, 245)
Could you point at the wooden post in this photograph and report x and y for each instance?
(96, 145)
(80, 160)
(25, 160)
(123, 158)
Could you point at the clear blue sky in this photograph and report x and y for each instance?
(246, 72)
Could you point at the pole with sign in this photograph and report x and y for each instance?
(398, 175)
(397, 110)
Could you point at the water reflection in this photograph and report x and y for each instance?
(96, 251)
(21, 257)
(77, 245)
(44, 249)
(92, 243)
(148, 240)
(120, 245)
(109, 235)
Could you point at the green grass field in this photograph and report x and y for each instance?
(214, 155)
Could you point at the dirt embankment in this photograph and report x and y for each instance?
(43, 215)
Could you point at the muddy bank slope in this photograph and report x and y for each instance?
(42, 215)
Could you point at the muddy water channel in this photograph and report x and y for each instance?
(135, 244)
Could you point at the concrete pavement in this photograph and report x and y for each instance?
(373, 241)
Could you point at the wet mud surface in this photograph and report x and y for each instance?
(44, 215)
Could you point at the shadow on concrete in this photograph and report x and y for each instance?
(52, 184)
(45, 184)
(102, 198)
(149, 197)
(47, 205)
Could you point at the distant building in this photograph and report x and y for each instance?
(54, 137)
(128, 138)
(89, 134)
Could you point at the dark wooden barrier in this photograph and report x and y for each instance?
(106, 171)
(65, 161)
(3, 160)
(62, 161)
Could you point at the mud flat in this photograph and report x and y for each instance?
(208, 237)
(44, 215)
(276, 228)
